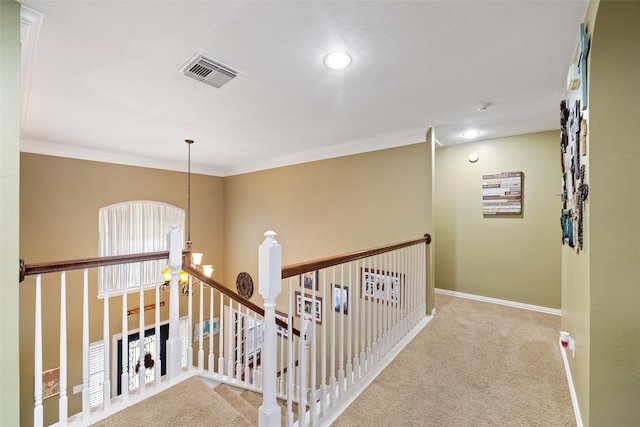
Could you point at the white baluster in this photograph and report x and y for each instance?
(201, 328)
(355, 307)
(221, 338)
(359, 299)
(341, 336)
(396, 294)
(189, 323)
(369, 316)
(349, 329)
(124, 352)
(245, 362)
(211, 339)
(313, 342)
(230, 352)
(270, 285)
(85, 346)
(375, 311)
(332, 351)
(106, 383)
(159, 357)
(386, 303)
(37, 370)
(142, 371)
(240, 325)
(290, 366)
(323, 361)
(304, 367)
(62, 402)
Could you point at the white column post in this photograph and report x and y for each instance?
(174, 349)
(270, 285)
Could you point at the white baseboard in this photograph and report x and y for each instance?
(572, 389)
(514, 304)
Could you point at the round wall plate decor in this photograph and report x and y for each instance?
(244, 285)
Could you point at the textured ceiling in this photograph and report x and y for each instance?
(105, 81)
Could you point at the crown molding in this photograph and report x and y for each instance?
(30, 23)
(398, 139)
(392, 140)
(62, 150)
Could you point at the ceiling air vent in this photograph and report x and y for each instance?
(208, 70)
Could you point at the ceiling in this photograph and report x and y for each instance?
(103, 80)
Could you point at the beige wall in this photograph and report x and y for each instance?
(313, 207)
(328, 207)
(516, 258)
(9, 211)
(59, 203)
(576, 296)
(614, 90)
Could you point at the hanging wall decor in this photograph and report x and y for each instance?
(502, 193)
(575, 189)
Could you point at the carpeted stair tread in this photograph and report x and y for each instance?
(242, 405)
(180, 405)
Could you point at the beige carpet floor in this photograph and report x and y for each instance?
(474, 364)
(189, 403)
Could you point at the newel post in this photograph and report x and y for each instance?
(174, 346)
(270, 285)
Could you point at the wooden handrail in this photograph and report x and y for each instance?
(287, 271)
(318, 264)
(79, 264)
(228, 292)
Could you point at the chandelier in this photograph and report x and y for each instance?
(196, 257)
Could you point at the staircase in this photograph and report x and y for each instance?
(192, 402)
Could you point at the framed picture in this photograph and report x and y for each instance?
(340, 299)
(383, 286)
(308, 279)
(207, 329)
(312, 307)
(283, 332)
(50, 383)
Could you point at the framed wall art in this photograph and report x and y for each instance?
(309, 279)
(382, 286)
(310, 306)
(208, 329)
(50, 383)
(340, 299)
(502, 193)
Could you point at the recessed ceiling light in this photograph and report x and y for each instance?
(337, 60)
(471, 133)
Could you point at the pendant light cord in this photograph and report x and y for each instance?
(189, 142)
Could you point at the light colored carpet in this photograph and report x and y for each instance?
(189, 403)
(474, 364)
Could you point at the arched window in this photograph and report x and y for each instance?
(133, 227)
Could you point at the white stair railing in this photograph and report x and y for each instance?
(354, 315)
(66, 342)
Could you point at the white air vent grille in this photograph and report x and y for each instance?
(208, 70)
